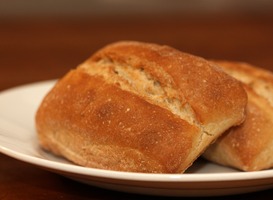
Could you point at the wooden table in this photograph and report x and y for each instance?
(39, 49)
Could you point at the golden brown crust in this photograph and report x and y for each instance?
(139, 107)
(113, 126)
(249, 146)
(183, 71)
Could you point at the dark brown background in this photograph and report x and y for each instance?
(34, 50)
(40, 48)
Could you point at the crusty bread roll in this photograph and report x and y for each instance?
(248, 147)
(139, 107)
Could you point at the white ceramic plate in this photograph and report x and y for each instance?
(18, 140)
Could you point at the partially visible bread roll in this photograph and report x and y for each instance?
(248, 147)
(139, 107)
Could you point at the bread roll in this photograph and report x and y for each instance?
(248, 147)
(139, 107)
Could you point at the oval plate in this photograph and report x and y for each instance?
(18, 140)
